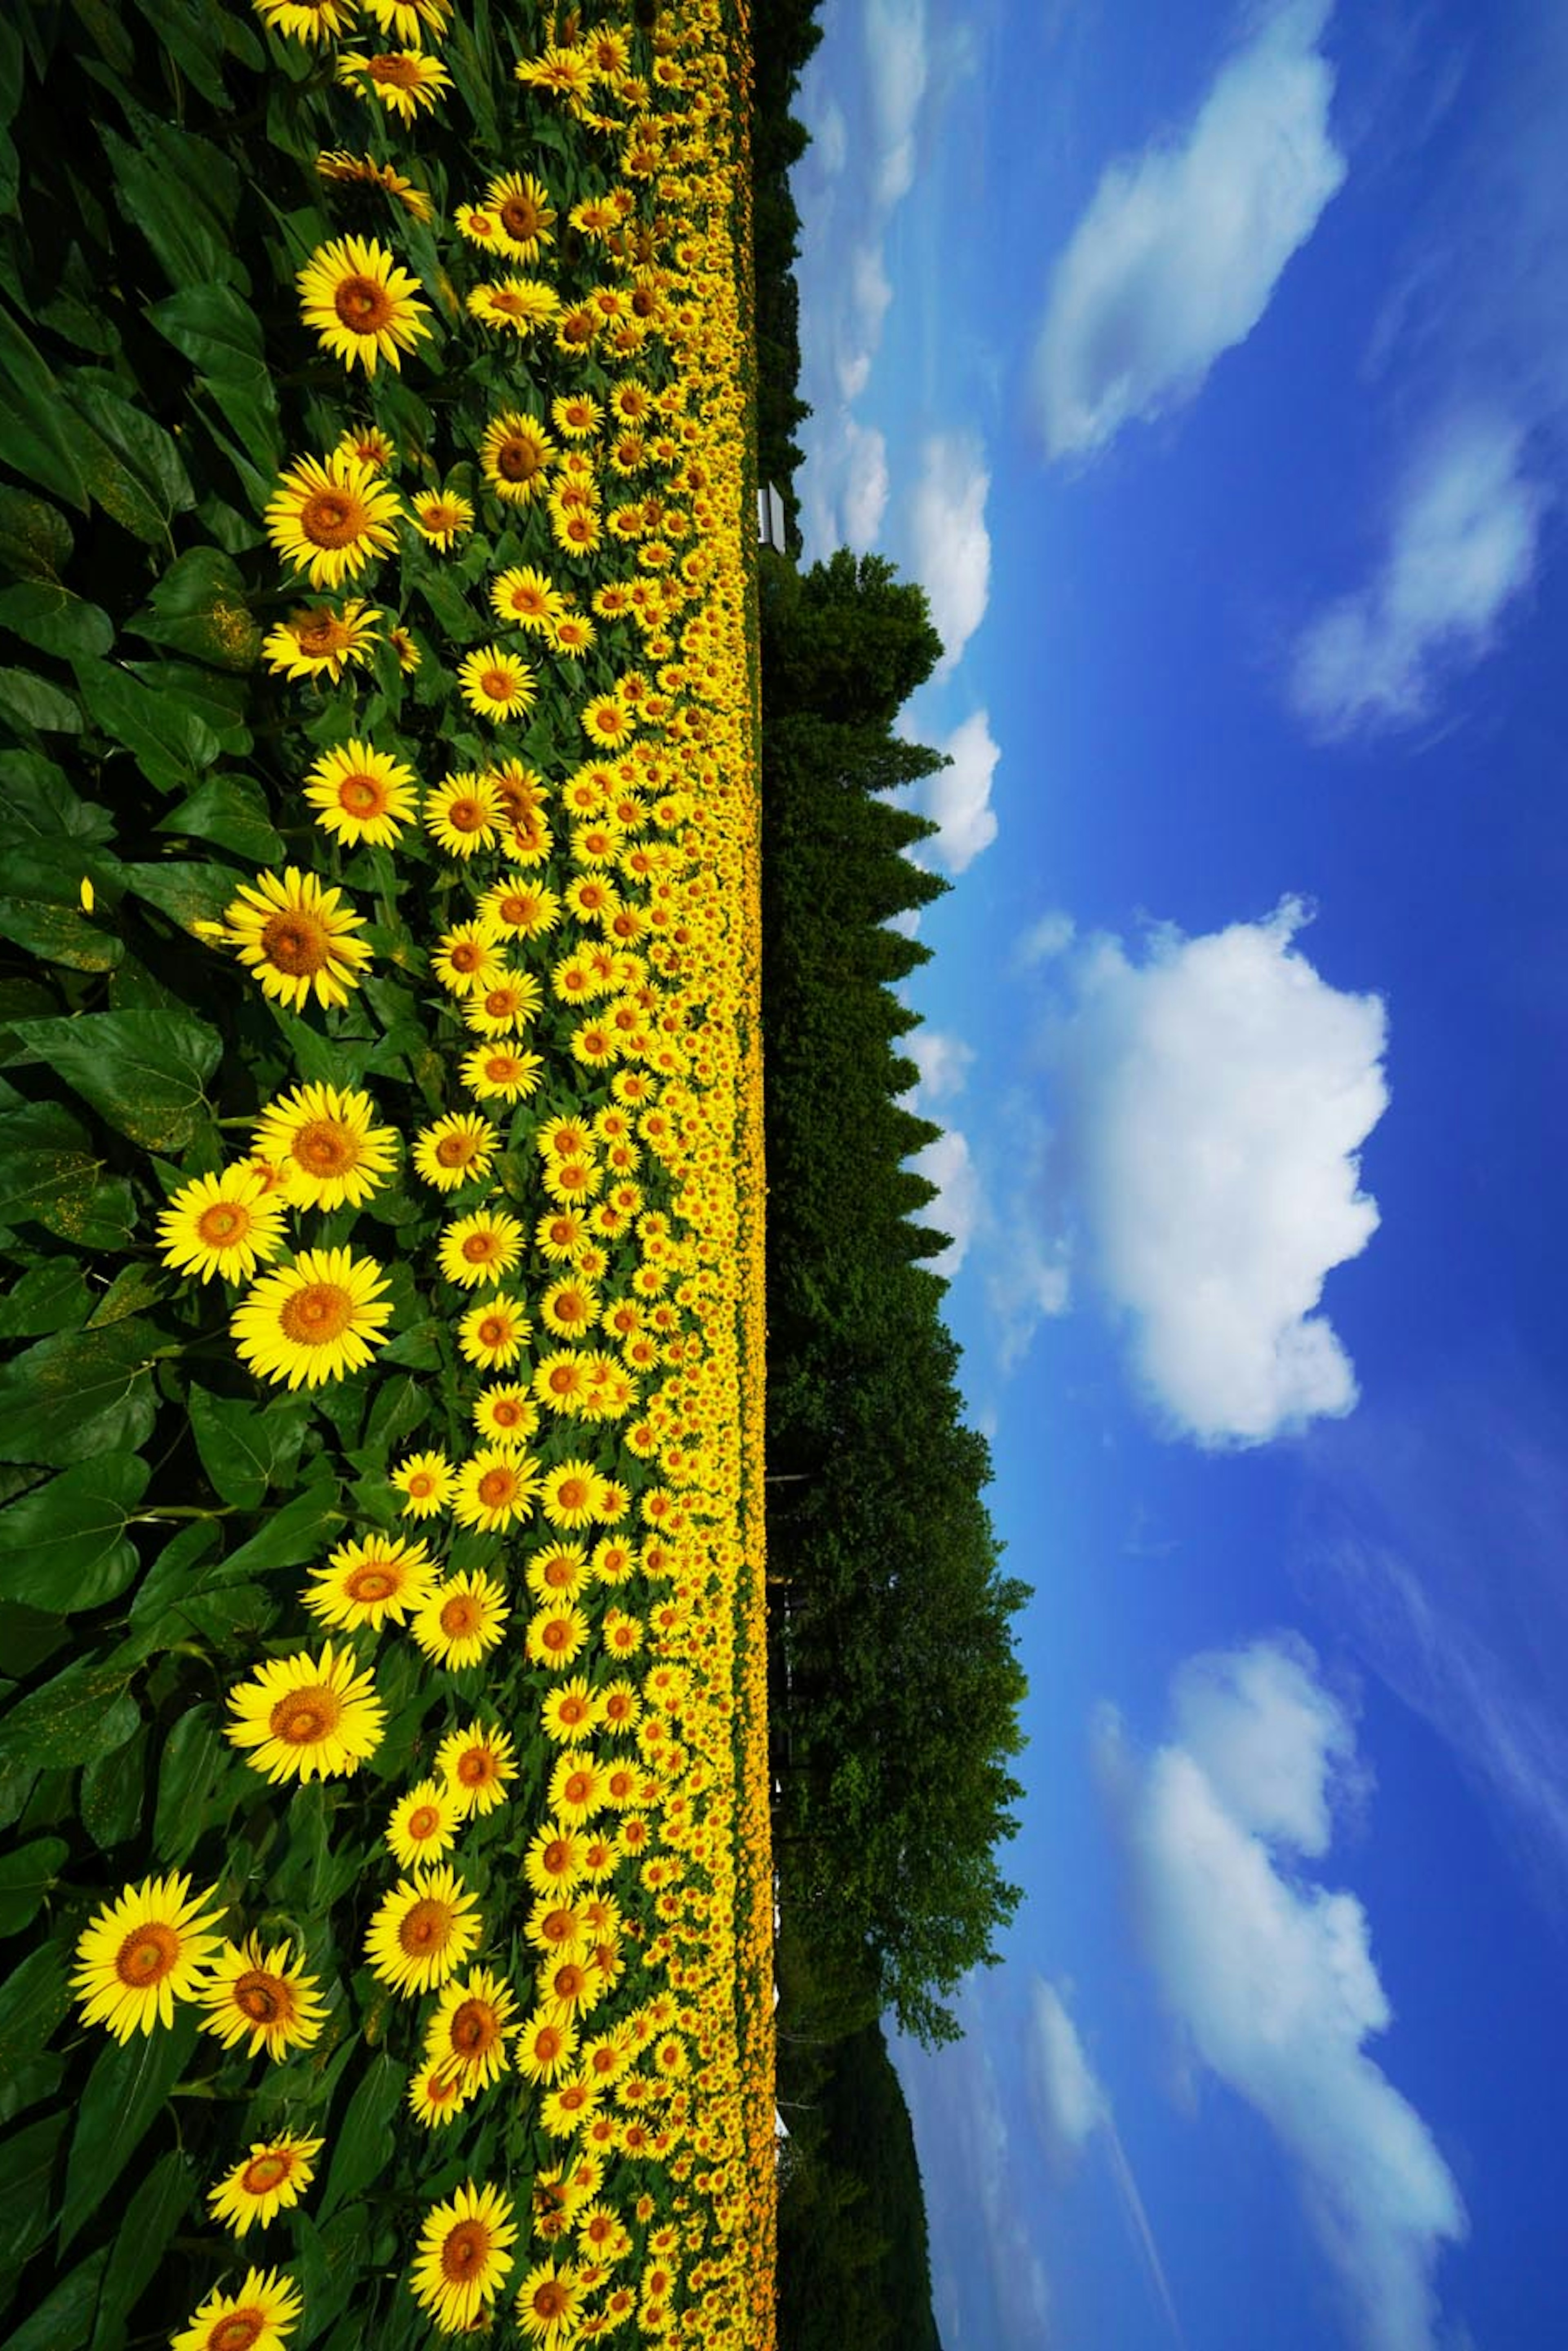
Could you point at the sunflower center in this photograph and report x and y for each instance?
(316, 1314)
(579, 1788)
(426, 1928)
(569, 1982)
(493, 1331)
(455, 1150)
(362, 795)
(332, 519)
(557, 1634)
(475, 1768)
(306, 1717)
(516, 910)
(500, 1002)
(520, 218)
(502, 1069)
(498, 1487)
(461, 1616)
(425, 1821)
(496, 684)
(320, 634)
(551, 2300)
(147, 1954)
(297, 942)
(325, 1148)
(403, 73)
(260, 1997)
(441, 514)
(224, 1222)
(475, 2028)
(563, 1379)
(482, 1249)
(572, 1494)
(260, 2178)
(466, 2251)
(548, 2043)
(236, 2330)
(468, 815)
(517, 459)
(371, 1583)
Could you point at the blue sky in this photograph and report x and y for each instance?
(1211, 369)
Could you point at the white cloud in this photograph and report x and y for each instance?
(958, 797)
(1178, 254)
(1215, 1099)
(1046, 939)
(1271, 1977)
(949, 544)
(899, 69)
(1461, 546)
(958, 1207)
(1068, 2101)
(943, 1063)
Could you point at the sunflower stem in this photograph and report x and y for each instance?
(183, 1510)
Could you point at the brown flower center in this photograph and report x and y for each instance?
(466, 2250)
(569, 1982)
(468, 815)
(147, 1954)
(236, 2330)
(401, 73)
(498, 1488)
(557, 1634)
(371, 1583)
(572, 1494)
(563, 1379)
(496, 684)
(316, 1314)
(475, 2028)
(518, 459)
(494, 1331)
(323, 1147)
(296, 943)
(306, 1716)
(461, 1616)
(482, 1247)
(425, 1821)
(426, 1927)
(320, 634)
(332, 519)
(521, 218)
(223, 1223)
(261, 1996)
(455, 1150)
(550, 2300)
(475, 1768)
(362, 795)
(265, 2173)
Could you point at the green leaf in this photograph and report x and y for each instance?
(133, 1288)
(27, 2164)
(48, 1175)
(33, 2000)
(26, 1874)
(168, 740)
(63, 2322)
(186, 894)
(65, 1547)
(288, 1537)
(245, 1451)
(169, 1574)
(232, 811)
(59, 934)
(218, 331)
(77, 1394)
(152, 2217)
(143, 1072)
(32, 700)
(83, 1713)
(111, 1794)
(50, 1296)
(35, 2079)
(39, 802)
(199, 607)
(34, 537)
(124, 2093)
(39, 439)
(56, 622)
(175, 217)
(214, 696)
(360, 2151)
(193, 1754)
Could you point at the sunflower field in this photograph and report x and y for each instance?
(386, 1889)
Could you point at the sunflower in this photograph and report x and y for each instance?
(576, 415)
(463, 1617)
(361, 306)
(526, 597)
(260, 2318)
(437, 2098)
(556, 1635)
(465, 2257)
(276, 2174)
(318, 642)
(331, 517)
(333, 1156)
(426, 1481)
(519, 304)
(570, 1308)
(455, 1149)
(441, 517)
(526, 909)
(263, 1996)
(467, 2035)
(360, 794)
(495, 1333)
(297, 936)
(422, 1824)
(318, 1319)
(363, 171)
(559, 1571)
(606, 719)
(307, 1717)
(410, 20)
(478, 225)
(480, 1248)
(222, 1224)
(405, 81)
(496, 684)
(501, 1071)
(508, 1004)
(306, 20)
(366, 1582)
(477, 1766)
(495, 1489)
(468, 957)
(547, 2305)
(143, 1951)
(423, 1931)
(570, 1494)
(571, 1711)
(408, 653)
(462, 814)
(546, 2048)
(515, 453)
(506, 1416)
(523, 212)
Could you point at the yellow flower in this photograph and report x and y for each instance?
(480, 1248)
(426, 1480)
(318, 1319)
(556, 1637)
(519, 304)
(496, 684)
(466, 2037)
(547, 2303)
(365, 172)
(516, 454)
(499, 1071)
(464, 2256)
(222, 1224)
(366, 1582)
(441, 516)
(331, 516)
(477, 1766)
(526, 598)
(360, 794)
(524, 213)
(455, 1150)
(410, 20)
(495, 1333)
(506, 1416)
(318, 642)
(546, 2048)
(332, 1154)
(495, 1489)
(460, 1619)
(297, 936)
(423, 1931)
(275, 2175)
(306, 20)
(606, 719)
(435, 2097)
(422, 1823)
(464, 814)
(405, 82)
(143, 1951)
(361, 306)
(264, 1997)
(260, 2316)
(570, 1494)
(307, 1718)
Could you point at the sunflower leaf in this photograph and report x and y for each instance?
(65, 1546)
(124, 2093)
(360, 2150)
(143, 1072)
(26, 1874)
(79, 1394)
(83, 1713)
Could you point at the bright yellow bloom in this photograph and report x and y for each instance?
(142, 1951)
(464, 2256)
(363, 171)
(306, 20)
(526, 909)
(307, 1718)
(466, 2037)
(262, 1996)
(495, 1490)
(526, 598)
(318, 1319)
(319, 642)
(480, 1248)
(496, 684)
(259, 2316)
(423, 1824)
(495, 1333)
(441, 517)
(501, 1071)
(524, 214)
(426, 1481)
(545, 2048)
(455, 1150)
(274, 2176)
(297, 936)
(361, 306)
(405, 82)
(332, 1155)
(516, 454)
(331, 517)
(366, 1582)
(464, 814)
(556, 1635)
(435, 2097)
(518, 304)
(222, 1224)
(360, 794)
(547, 2304)
(460, 1619)
(507, 1415)
(571, 1711)
(570, 1493)
(423, 1931)
(478, 1767)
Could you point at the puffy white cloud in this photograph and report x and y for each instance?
(943, 1063)
(1178, 254)
(950, 547)
(1068, 2101)
(1271, 1978)
(1461, 546)
(958, 1207)
(1046, 939)
(958, 797)
(899, 69)
(1214, 1102)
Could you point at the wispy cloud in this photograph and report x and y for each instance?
(1211, 1103)
(958, 1209)
(1269, 1976)
(958, 797)
(950, 547)
(1177, 257)
(1461, 547)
